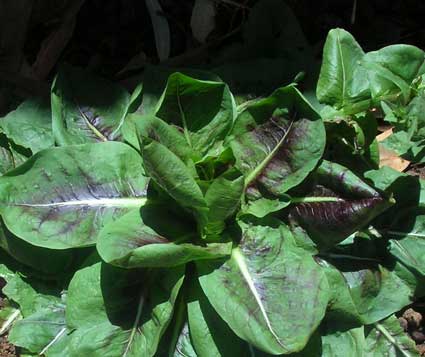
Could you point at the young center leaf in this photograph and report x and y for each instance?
(266, 281)
(342, 81)
(204, 110)
(86, 109)
(62, 197)
(174, 177)
(278, 143)
(132, 241)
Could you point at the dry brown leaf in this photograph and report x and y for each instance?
(385, 134)
(389, 157)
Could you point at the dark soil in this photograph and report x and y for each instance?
(6, 349)
(413, 322)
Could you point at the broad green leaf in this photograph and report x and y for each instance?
(266, 281)
(205, 110)
(62, 197)
(210, 335)
(30, 125)
(284, 141)
(174, 177)
(86, 109)
(387, 338)
(107, 322)
(131, 241)
(341, 79)
(344, 343)
(363, 295)
(41, 307)
(392, 69)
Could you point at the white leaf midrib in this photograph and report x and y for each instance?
(99, 202)
(243, 268)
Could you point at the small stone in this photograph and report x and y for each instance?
(403, 323)
(418, 336)
(413, 318)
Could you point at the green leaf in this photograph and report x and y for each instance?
(62, 197)
(86, 109)
(387, 338)
(344, 343)
(131, 241)
(107, 322)
(174, 177)
(279, 150)
(41, 307)
(30, 125)
(205, 110)
(365, 294)
(341, 80)
(266, 281)
(392, 69)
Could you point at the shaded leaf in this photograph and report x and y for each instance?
(86, 109)
(30, 125)
(107, 322)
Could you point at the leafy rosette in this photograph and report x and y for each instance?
(188, 225)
